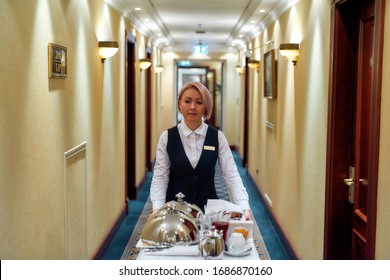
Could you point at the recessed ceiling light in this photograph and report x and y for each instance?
(262, 10)
(137, 9)
(253, 21)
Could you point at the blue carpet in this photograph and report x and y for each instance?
(274, 245)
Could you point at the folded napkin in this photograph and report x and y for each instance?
(180, 250)
(216, 205)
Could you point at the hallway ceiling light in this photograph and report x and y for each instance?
(158, 68)
(290, 52)
(254, 64)
(107, 49)
(144, 63)
(200, 30)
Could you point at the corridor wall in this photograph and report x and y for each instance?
(42, 118)
(287, 136)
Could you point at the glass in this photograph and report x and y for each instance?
(222, 224)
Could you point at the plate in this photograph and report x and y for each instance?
(243, 254)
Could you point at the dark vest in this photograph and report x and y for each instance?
(197, 184)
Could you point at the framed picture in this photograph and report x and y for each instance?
(270, 75)
(58, 61)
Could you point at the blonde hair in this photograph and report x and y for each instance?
(204, 93)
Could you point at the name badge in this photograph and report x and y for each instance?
(209, 148)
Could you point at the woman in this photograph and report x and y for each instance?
(187, 153)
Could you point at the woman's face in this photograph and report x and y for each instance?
(192, 106)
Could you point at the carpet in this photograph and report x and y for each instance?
(131, 251)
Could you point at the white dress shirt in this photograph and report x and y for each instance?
(193, 145)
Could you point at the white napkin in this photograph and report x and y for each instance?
(180, 250)
(216, 205)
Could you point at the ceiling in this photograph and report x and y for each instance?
(221, 25)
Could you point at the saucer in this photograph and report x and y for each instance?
(243, 254)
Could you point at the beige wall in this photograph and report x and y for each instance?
(281, 158)
(288, 161)
(41, 119)
(383, 213)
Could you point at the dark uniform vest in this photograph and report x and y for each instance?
(197, 184)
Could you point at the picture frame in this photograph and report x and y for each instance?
(58, 61)
(270, 75)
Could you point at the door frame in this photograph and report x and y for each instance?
(339, 121)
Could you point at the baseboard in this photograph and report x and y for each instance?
(286, 244)
(111, 234)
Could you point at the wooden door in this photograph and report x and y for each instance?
(210, 84)
(353, 129)
(246, 115)
(148, 117)
(358, 182)
(131, 190)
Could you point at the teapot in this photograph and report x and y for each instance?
(211, 245)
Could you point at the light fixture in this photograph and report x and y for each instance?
(254, 64)
(158, 68)
(240, 69)
(290, 52)
(144, 63)
(107, 49)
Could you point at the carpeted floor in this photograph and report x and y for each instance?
(122, 239)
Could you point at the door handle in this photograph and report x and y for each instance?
(364, 182)
(348, 182)
(351, 189)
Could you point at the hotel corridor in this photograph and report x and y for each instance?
(299, 88)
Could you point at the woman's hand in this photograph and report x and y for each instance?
(154, 212)
(248, 214)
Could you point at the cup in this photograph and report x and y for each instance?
(236, 243)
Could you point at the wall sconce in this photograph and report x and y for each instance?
(254, 64)
(107, 49)
(240, 69)
(144, 63)
(158, 68)
(290, 52)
